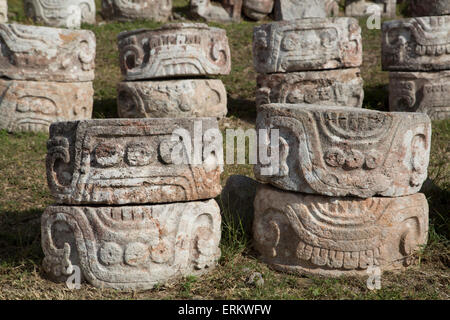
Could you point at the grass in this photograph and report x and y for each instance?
(24, 195)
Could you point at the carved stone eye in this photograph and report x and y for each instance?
(165, 150)
(108, 154)
(373, 159)
(335, 157)
(354, 159)
(296, 96)
(290, 42)
(110, 253)
(139, 154)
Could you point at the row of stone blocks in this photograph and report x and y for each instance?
(313, 61)
(159, 67)
(346, 189)
(46, 76)
(416, 51)
(128, 213)
(72, 13)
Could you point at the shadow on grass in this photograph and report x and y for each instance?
(20, 238)
(242, 108)
(105, 108)
(376, 97)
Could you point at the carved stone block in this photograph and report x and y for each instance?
(421, 8)
(332, 8)
(308, 44)
(427, 92)
(122, 161)
(339, 151)
(224, 11)
(179, 49)
(362, 8)
(329, 236)
(33, 106)
(48, 54)
(257, 9)
(285, 10)
(61, 13)
(416, 44)
(342, 87)
(172, 99)
(3, 11)
(128, 10)
(131, 247)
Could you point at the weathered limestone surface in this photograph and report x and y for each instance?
(361, 8)
(3, 11)
(179, 49)
(224, 11)
(416, 44)
(61, 13)
(342, 87)
(257, 9)
(427, 92)
(126, 10)
(329, 236)
(285, 10)
(131, 247)
(308, 44)
(48, 54)
(332, 8)
(123, 161)
(172, 99)
(33, 106)
(338, 151)
(421, 8)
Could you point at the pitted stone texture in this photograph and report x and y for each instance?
(123, 161)
(338, 151)
(342, 87)
(416, 44)
(427, 92)
(174, 50)
(128, 10)
(61, 13)
(3, 11)
(171, 99)
(307, 44)
(131, 247)
(421, 8)
(285, 10)
(225, 11)
(48, 54)
(33, 106)
(362, 8)
(257, 9)
(330, 236)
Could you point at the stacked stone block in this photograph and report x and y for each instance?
(167, 72)
(363, 8)
(129, 214)
(309, 61)
(3, 11)
(61, 13)
(46, 76)
(344, 195)
(416, 52)
(128, 10)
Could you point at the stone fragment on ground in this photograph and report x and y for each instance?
(307, 45)
(220, 11)
(257, 9)
(333, 236)
(172, 99)
(342, 151)
(174, 50)
(421, 8)
(61, 13)
(427, 92)
(363, 8)
(126, 10)
(285, 10)
(131, 247)
(134, 161)
(340, 87)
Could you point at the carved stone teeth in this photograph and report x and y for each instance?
(351, 260)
